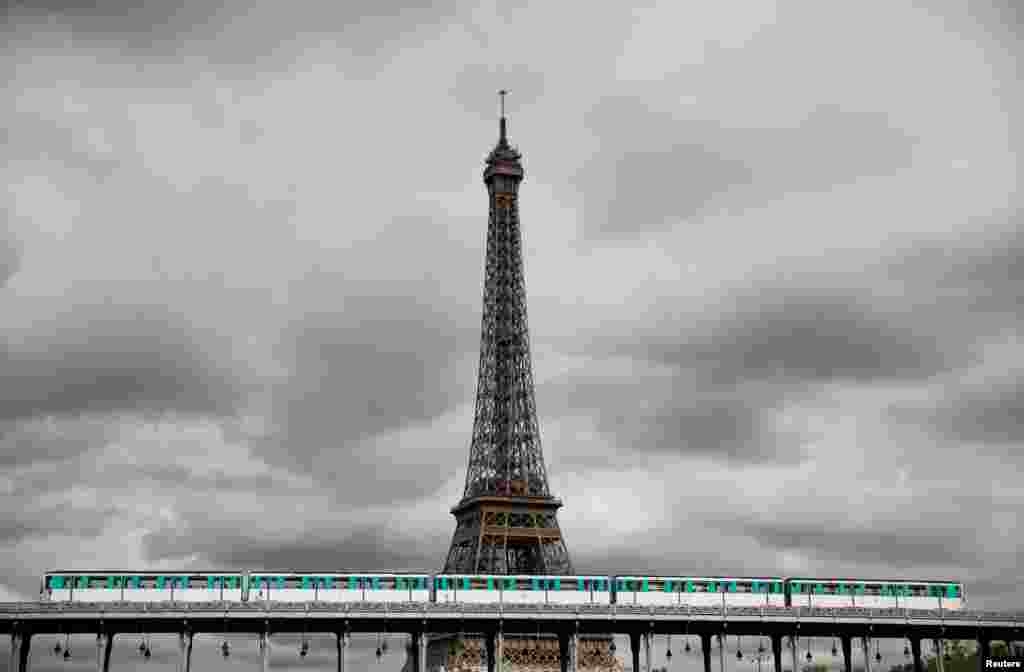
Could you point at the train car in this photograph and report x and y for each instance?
(334, 587)
(700, 591)
(69, 586)
(898, 594)
(489, 588)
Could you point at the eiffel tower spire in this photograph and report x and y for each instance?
(506, 520)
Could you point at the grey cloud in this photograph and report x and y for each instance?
(992, 414)
(654, 171)
(675, 413)
(233, 35)
(359, 549)
(892, 544)
(25, 442)
(106, 358)
(27, 520)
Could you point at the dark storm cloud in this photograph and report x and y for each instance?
(655, 171)
(674, 413)
(107, 358)
(233, 34)
(359, 549)
(816, 337)
(991, 413)
(25, 442)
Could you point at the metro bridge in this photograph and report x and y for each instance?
(24, 620)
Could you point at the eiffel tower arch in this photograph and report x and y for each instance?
(506, 521)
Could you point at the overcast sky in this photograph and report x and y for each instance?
(773, 258)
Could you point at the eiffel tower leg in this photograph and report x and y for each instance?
(705, 645)
(634, 648)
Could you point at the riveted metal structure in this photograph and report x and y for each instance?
(506, 520)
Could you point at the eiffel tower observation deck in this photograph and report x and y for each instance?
(506, 521)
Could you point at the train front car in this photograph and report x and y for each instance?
(901, 594)
(700, 591)
(338, 587)
(490, 589)
(142, 587)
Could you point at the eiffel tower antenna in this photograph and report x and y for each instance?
(506, 522)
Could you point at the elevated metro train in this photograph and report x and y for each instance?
(667, 591)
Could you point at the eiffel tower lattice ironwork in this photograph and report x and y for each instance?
(506, 522)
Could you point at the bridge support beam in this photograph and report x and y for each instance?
(984, 651)
(705, 645)
(777, 652)
(648, 638)
(915, 649)
(501, 649)
(104, 645)
(721, 653)
(342, 646)
(184, 651)
(415, 651)
(847, 653)
(634, 649)
(563, 651)
(867, 653)
(489, 642)
(792, 653)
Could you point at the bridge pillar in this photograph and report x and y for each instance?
(939, 655)
(501, 649)
(20, 648)
(423, 650)
(415, 649)
(489, 641)
(265, 650)
(777, 652)
(574, 652)
(915, 649)
(563, 651)
(104, 645)
(184, 651)
(847, 653)
(634, 649)
(342, 646)
(867, 654)
(792, 653)
(984, 651)
(721, 653)
(705, 645)
(647, 651)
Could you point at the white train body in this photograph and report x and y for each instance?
(644, 591)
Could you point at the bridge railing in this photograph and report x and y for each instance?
(839, 613)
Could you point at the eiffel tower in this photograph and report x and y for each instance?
(506, 521)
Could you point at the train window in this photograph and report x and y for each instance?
(56, 582)
(212, 583)
(83, 582)
(952, 590)
(135, 582)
